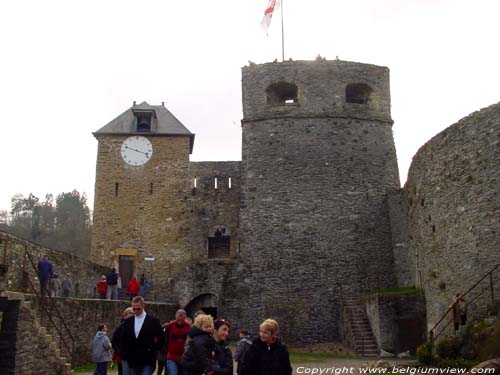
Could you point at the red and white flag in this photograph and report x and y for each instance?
(268, 14)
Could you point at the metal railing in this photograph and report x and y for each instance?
(46, 303)
(491, 279)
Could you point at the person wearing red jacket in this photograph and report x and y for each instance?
(176, 333)
(133, 287)
(102, 287)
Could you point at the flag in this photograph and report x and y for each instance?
(268, 13)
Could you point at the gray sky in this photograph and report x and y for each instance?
(69, 67)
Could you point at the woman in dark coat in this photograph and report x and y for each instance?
(267, 355)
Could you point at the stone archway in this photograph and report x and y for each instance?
(208, 303)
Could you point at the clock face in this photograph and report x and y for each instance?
(136, 150)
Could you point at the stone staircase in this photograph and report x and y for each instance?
(36, 337)
(363, 339)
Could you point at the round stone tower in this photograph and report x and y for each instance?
(318, 160)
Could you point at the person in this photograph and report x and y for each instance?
(176, 333)
(102, 287)
(267, 355)
(66, 286)
(101, 350)
(222, 358)
(118, 285)
(199, 346)
(45, 272)
(116, 342)
(459, 311)
(243, 346)
(140, 339)
(162, 359)
(133, 287)
(112, 281)
(54, 285)
(144, 285)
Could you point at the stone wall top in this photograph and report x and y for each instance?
(311, 88)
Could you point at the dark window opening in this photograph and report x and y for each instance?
(144, 123)
(151, 188)
(219, 243)
(358, 93)
(116, 189)
(282, 93)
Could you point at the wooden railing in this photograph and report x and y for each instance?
(485, 284)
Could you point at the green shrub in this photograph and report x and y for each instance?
(424, 354)
(448, 348)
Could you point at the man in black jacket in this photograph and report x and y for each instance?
(112, 281)
(140, 337)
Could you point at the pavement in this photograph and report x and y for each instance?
(329, 367)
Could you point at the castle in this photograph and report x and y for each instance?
(311, 216)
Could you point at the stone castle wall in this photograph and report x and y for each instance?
(83, 273)
(453, 199)
(315, 176)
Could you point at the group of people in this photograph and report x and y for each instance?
(50, 282)
(140, 344)
(109, 286)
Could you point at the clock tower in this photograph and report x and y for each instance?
(141, 189)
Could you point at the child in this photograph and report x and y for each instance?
(199, 346)
(243, 345)
(101, 350)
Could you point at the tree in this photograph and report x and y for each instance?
(65, 226)
(73, 224)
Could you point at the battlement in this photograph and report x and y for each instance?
(315, 88)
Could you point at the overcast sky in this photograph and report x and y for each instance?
(69, 67)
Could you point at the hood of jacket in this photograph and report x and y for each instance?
(195, 331)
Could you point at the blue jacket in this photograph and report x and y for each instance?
(45, 270)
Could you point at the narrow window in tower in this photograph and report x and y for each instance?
(215, 183)
(229, 183)
(282, 93)
(358, 93)
(219, 242)
(194, 182)
(151, 188)
(116, 189)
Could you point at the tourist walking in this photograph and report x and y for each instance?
(242, 348)
(222, 358)
(267, 355)
(45, 272)
(199, 346)
(66, 286)
(116, 341)
(133, 287)
(112, 283)
(118, 285)
(102, 287)
(459, 311)
(141, 338)
(176, 333)
(101, 350)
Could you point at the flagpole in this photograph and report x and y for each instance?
(282, 34)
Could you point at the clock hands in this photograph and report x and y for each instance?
(133, 149)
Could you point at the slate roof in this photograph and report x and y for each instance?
(164, 123)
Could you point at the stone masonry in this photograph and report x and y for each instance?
(453, 199)
(313, 212)
(83, 273)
